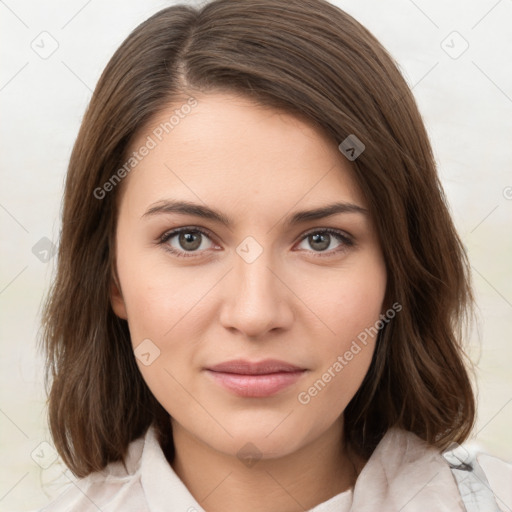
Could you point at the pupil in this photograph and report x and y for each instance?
(322, 239)
(189, 241)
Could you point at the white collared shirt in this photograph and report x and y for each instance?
(403, 474)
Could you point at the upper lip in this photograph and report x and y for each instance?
(242, 367)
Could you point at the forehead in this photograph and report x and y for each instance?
(229, 151)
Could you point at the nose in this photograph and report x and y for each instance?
(257, 299)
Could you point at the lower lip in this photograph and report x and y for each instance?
(256, 386)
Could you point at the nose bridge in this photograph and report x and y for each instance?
(255, 282)
(257, 300)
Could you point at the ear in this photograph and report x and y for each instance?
(116, 299)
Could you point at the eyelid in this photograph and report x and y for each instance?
(346, 239)
(171, 233)
(176, 231)
(332, 231)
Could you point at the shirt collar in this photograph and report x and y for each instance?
(163, 488)
(403, 473)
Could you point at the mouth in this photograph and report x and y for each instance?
(255, 379)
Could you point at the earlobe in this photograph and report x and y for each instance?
(117, 300)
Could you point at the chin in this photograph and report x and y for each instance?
(250, 447)
(267, 435)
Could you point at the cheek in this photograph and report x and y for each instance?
(356, 311)
(349, 306)
(347, 302)
(159, 300)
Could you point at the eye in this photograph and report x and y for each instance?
(191, 241)
(186, 240)
(324, 241)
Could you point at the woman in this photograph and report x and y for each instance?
(260, 292)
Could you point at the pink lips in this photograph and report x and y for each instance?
(257, 380)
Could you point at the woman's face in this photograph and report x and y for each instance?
(251, 325)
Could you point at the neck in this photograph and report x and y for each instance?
(303, 479)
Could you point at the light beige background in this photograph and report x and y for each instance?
(467, 106)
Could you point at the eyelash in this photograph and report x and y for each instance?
(341, 236)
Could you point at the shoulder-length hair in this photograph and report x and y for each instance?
(313, 60)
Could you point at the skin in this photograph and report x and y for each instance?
(295, 302)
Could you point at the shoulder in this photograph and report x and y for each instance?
(485, 477)
(480, 477)
(116, 487)
(413, 474)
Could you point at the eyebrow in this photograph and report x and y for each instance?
(188, 208)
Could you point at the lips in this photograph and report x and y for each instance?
(242, 367)
(255, 379)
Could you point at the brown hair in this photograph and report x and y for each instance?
(313, 60)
